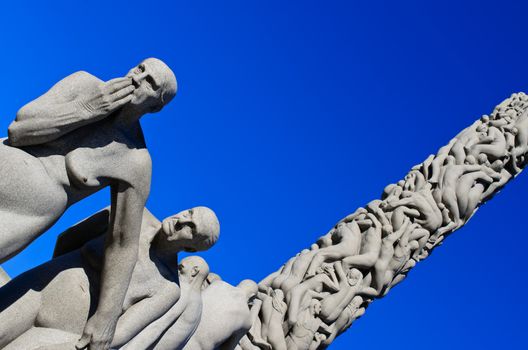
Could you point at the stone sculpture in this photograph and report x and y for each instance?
(374, 248)
(79, 137)
(4, 277)
(57, 296)
(81, 125)
(226, 316)
(174, 329)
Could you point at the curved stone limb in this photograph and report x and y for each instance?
(325, 279)
(347, 238)
(370, 248)
(226, 331)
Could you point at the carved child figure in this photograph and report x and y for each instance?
(174, 329)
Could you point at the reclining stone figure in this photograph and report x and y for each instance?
(59, 295)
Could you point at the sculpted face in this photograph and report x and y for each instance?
(315, 307)
(180, 227)
(193, 266)
(191, 230)
(155, 85)
(184, 268)
(353, 277)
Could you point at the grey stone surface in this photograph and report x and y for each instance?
(176, 326)
(226, 316)
(79, 137)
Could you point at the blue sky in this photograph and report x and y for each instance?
(292, 114)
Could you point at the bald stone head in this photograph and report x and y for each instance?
(155, 85)
(193, 268)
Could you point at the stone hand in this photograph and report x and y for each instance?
(98, 334)
(108, 97)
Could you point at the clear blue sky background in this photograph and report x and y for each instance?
(290, 115)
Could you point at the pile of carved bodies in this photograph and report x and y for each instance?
(317, 294)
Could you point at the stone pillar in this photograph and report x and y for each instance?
(316, 295)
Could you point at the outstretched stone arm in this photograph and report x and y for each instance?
(413, 217)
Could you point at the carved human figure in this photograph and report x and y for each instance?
(420, 206)
(446, 192)
(294, 272)
(359, 213)
(380, 273)
(276, 279)
(392, 192)
(465, 139)
(58, 295)
(273, 312)
(504, 118)
(325, 279)
(174, 329)
(470, 191)
(346, 238)
(433, 164)
(79, 137)
(308, 324)
(226, 316)
(375, 207)
(414, 181)
(351, 284)
(491, 141)
(521, 141)
(351, 313)
(410, 244)
(370, 247)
